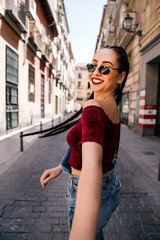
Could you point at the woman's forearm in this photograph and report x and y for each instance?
(87, 204)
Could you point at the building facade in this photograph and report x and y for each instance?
(82, 85)
(34, 81)
(135, 25)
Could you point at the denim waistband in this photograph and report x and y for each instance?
(67, 168)
(107, 177)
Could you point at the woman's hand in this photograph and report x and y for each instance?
(50, 174)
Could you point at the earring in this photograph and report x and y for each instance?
(119, 85)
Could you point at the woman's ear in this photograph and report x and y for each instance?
(121, 77)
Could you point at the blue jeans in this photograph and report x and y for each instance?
(109, 198)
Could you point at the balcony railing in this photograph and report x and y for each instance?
(45, 51)
(17, 12)
(22, 12)
(117, 12)
(123, 38)
(110, 35)
(118, 36)
(34, 36)
(59, 13)
(115, 8)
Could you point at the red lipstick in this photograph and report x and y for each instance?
(97, 81)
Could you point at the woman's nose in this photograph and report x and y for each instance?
(97, 72)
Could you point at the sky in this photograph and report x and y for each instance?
(84, 19)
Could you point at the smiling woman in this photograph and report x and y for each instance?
(90, 160)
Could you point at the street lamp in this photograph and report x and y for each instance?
(130, 26)
(127, 22)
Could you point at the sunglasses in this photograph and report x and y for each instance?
(102, 69)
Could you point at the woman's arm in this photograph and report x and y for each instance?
(52, 173)
(89, 193)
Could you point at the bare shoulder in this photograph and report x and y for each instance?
(91, 102)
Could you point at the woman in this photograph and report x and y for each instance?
(93, 187)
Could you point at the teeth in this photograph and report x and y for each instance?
(97, 81)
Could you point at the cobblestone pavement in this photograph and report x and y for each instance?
(29, 212)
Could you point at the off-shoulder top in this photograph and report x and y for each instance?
(94, 126)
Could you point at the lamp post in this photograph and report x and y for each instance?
(130, 26)
(127, 22)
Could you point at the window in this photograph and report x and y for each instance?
(12, 120)
(11, 89)
(31, 84)
(12, 96)
(79, 96)
(79, 75)
(49, 92)
(12, 67)
(79, 84)
(125, 108)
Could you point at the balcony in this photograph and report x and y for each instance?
(31, 9)
(59, 13)
(15, 15)
(118, 9)
(110, 35)
(123, 38)
(129, 28)
(35, 38)
(58, 76)
(45, 52)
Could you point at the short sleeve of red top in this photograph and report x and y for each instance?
(94, 126)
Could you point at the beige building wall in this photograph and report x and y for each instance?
(8, 38)
(140, 107)
(34, 43)
(82, 86)
(2, 84)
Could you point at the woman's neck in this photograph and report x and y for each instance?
(103, 96)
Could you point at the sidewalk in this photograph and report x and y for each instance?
(145, 151)
(10, 143)
(28, 212)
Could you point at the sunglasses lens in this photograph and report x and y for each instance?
(104, 70)
(90, 67)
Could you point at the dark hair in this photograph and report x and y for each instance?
(124, 67)
(64, 126)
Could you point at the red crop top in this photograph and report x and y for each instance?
(94, 126)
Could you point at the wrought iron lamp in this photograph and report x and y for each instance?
(129, 26)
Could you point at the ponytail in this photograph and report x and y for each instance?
(64, 126)
(124, 67)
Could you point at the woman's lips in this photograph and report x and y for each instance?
(97, 81)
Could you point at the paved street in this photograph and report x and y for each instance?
(29, 212)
